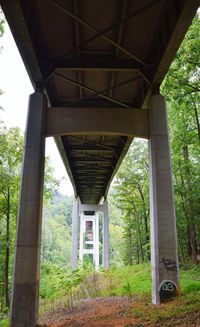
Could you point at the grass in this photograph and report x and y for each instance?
(130, 281)
(4, 322)
(135, 282)
(184, 307)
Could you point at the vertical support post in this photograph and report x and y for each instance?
(164, 257)
(96, 241)
(105, 235)
(81, 237)
(74, 250)
(25, 292)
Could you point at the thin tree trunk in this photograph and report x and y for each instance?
(183, 202)
(7, 250)
(140, 249)
(145, 220)
(130, 249)
(137, 253)
(192, 227)
(196, 117)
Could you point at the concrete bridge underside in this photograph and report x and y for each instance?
(96, 67)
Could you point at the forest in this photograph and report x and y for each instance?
(128, 196)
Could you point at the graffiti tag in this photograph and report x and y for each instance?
(169, 264)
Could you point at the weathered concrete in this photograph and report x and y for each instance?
(105, 235)
(91, 207)
(96, 252)
(81, 237)
(163, 222)
(74, 250)
(67, 121)
(25, 292)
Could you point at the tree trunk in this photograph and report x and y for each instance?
(137, 253)
(196, 117)
(183, 202)
(192, 227)
(145, 221)
(130, 249)
(7, 298)
(140, 249)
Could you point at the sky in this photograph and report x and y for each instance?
(16, 87)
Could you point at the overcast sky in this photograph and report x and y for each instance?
(16, 87)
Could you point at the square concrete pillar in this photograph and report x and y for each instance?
(81, 237)
(74, 250)
(96, 251)
(105, 235)
(164, 257)
(25, 291)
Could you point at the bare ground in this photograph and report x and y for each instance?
(113, 312)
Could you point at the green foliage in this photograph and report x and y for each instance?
(11, 148)
(10, 164)
(131, 197)
(130, 188)
(58, 281)
(4, 323)
(129, 280)
(56, 229)
(188, 302)
(181, 87)
(50, 182)
(2, 21)
(52, 281)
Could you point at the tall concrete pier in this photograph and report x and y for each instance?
(25, 293)
(164, 258)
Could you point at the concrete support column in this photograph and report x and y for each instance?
(25, 292)
(74, 250)
(81, 237)
(164, 258)
(96, 241)
(105, 235)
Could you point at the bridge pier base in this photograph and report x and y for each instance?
(164, 257)
(25, 292)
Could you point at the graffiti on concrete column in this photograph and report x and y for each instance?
(167, 290)
(168, 286)
(169, 264)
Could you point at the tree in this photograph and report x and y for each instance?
(10, 161)
(56, 229)
(11, 149)
(131, 196)
(130, 190)
(2, 21)
(181, 88)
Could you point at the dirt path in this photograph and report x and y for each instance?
(108, 312)
(112, 312)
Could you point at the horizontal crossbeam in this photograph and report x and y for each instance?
(96, 64)
(99, 121)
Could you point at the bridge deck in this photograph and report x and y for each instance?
(97, 54)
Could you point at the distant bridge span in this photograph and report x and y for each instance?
(96, 67)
